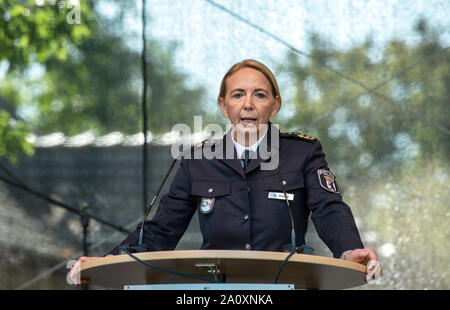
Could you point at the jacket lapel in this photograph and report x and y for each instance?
(266, 151)
(229, 154)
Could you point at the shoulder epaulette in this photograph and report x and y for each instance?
(298, 135)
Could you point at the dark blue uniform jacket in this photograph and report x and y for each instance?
(241, 215)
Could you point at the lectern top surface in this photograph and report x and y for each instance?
(304, 271)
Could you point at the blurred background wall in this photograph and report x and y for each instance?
(370, 79)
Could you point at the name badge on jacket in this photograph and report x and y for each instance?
(275, 195)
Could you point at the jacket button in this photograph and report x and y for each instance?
(248, 189)
(210, 190)
(245, 217)
(247, 246)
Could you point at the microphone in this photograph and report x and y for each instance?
(292, 247)
(141, 247)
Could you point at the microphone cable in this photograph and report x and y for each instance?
(293, 245)
(282, 265)
(141, 247)
(176, 273)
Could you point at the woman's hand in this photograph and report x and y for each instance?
(369, 258)
(74, 273)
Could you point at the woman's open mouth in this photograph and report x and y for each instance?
(248, 121)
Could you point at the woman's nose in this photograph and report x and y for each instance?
(248, 103)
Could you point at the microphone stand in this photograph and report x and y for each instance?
(141, 246)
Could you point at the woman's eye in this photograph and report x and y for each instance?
(237, 96)
(260, 95)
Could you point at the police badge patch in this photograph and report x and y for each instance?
(327, 180)
(207, 205)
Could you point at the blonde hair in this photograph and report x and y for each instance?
(250, 63)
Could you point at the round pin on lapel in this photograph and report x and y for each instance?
(207, 205)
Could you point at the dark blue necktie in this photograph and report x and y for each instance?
(246, 159)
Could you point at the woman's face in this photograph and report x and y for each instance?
(248, 103)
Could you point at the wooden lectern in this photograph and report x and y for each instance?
(257, 267)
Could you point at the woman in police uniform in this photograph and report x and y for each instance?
(241, 204)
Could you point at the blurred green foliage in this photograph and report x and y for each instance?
(409, 211)
(99, 86)
(368, 134)
(99, 89)
(13, 132)
(91, 80)
(13, 136)
(29, 32)
(389, 145)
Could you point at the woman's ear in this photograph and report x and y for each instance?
(276, 107)
(221, 103)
